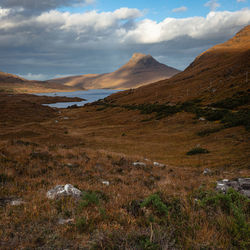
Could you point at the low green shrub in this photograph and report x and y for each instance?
(237, 209)
(154, 201)
(211, 114)
(240, 118)
(237, 100)
(81, 224)
(89, 198)
(197, 150)
(143, 242)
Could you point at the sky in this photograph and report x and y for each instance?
(45, 39)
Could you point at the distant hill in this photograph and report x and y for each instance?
(10, 78)
(14, 83)
(140, 70)
(218, 72)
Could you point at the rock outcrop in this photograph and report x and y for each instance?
(242, 185)
(60, 191)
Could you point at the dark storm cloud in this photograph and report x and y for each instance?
(40, 4)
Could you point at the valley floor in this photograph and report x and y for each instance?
(141, 190)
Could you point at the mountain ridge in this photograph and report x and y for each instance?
(139, 70)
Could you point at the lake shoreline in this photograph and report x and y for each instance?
(84, 96)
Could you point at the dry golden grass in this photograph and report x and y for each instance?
(85, 150)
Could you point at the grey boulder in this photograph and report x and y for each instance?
(66, 190)
(242, 185)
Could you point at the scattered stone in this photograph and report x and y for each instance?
(207, 171)
(65, 118)
(70, 165)
(202, 119)
(105, 183)
(157, 164)
(17, 202)
(56, 121)
(11, 201)
(138, 163)
(242, 185)
(65, 221)
(60, 191)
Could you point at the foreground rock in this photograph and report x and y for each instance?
(11, 201)
(242, 185)
(207, 171)
(65, 221)
(157, 164)
(140, 164)
(60, 191)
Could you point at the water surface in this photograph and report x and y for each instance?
(90, 96)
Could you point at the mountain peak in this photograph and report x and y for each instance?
(138, 56)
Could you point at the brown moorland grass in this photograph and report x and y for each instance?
(93, 146)
(144, 207)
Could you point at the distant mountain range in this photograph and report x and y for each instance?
(14, 83)
(140, 70)
(218, 72)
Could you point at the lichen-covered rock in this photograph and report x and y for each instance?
(157, 164)
(242, 185)
(12, 201)
(138, 163)
(65, 221)
(207, 171)
(105, 183)
(60, 191)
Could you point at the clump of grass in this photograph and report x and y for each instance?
(154, 201)
(235, 207)
(144, 242)
(4, 178)
(43, 156)
(161, 110)
(238, 99)
(197, 150)
(89, 198)
(81, 224)
(240, 118)
(211, 114)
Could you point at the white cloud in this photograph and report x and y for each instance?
(180, 9)
(4, 12)
(94, 42)
(241, 1)
(43, 4)
(212, 4)
(148, 31)
(39, 77)
(82, 22)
